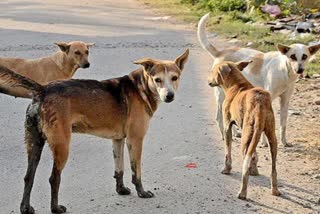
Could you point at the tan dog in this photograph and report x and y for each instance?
(250, 109)
(119, 109)
(59, 66)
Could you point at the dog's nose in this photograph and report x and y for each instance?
(169, 97)
(300, 70)
(210, 84)
(87, 65)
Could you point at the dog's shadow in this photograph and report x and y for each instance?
(291, 196)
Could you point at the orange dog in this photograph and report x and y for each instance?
(249, 108)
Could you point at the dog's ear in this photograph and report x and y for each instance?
(182, 59)
(241, 65)
(283, 48)
(63, 46)
(89, 44)
(147, 63)
(314, 48)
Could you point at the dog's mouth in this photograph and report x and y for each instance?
(212, 84)
(169, 97)
(168, 100)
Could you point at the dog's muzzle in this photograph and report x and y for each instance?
(169, 97)
(211, 84)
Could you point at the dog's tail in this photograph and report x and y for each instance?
(17, 85)
(202, 37)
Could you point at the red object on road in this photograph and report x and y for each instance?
(191, 165)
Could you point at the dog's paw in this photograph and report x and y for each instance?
(253, 171)
(226, 170)
(59, 209)
(145, 194)
(123, 191)
(276, 192)
(242, 195)
(27, 210)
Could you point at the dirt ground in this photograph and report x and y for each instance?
(180, 133)
(304, 119)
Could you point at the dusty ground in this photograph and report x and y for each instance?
(180, 133)
(304, 120)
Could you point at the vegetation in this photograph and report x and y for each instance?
(236, 18)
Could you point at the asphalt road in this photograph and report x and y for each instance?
(180, 133)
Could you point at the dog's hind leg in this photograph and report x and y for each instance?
(118, 147)
(245, 141)
(219, 94)
(273, 150)
(228, 145)
(248, 151)
(59, 140)
(34, 143)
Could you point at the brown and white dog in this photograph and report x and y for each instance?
(59, 66)
(275, 71)
(250, 108)
(119, 109)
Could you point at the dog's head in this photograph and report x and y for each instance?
(77, 52)
(163, 75)
(224, 73)
(298, 55)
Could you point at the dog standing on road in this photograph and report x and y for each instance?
(59, 66)
(250, 108)
(119, 109)
(275, 71)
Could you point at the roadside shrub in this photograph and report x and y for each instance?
(223, 5)
(218, 5)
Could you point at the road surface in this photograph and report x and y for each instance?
(180, 133)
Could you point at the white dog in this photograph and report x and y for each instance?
(275, 71)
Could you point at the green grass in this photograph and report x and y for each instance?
(230, 24)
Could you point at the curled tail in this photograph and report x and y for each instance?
(202, 37)
(17, 85)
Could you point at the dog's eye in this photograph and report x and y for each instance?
(293, 57)
(87, 52)
(304, 57)
(175, 78)
(158, 80)
(77, 53)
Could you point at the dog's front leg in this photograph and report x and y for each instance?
(118, 147)
(228, 144)
(284, 105)
(134, 144)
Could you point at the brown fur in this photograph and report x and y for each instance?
(249, 108)
(59, 66)
(119, 109)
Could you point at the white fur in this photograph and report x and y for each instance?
(167, 86)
